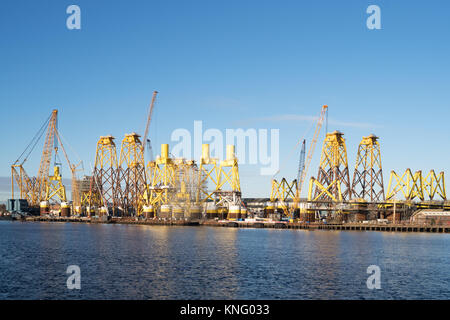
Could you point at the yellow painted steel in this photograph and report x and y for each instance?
(368, 175)
(413, 186)
(34, 189)
(54, 187)
(208, 174)
(162, 181)
(282, 191)
(333, 171)
(103, 188)
(435, 185)
(132, 178)
(324, 190)
(228, 172)
(44, 166)
(25, 184)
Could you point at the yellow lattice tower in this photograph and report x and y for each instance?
(228, 178)
(103, 189)
(435, 185)
(162, 184)
(368, 174)
(333, 182)
(413, 186)
(54, 189)
(207, 175)
(131, 175)
(283, 191)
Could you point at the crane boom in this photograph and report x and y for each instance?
(301, 164)
(44, 166)
(73, 168)
(311, 151)
(149, 119)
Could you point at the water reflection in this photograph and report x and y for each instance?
(161, 262)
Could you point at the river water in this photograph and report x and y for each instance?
(159, 262)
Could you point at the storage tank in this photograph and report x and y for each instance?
(65, 209)
(149, 212)
(234, 212)
(211, 211)
(165, 211)
(44, 207)
(177, 213)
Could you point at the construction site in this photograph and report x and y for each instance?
(125, 187)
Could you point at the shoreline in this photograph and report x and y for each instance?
(253, 224)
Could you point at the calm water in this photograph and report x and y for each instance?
(143, 262)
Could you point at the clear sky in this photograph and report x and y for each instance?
(232, 64)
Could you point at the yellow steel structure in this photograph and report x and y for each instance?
(435, 185)
(410, 185)
(333, 174)
(229, 171)
(43, 187)
(208, 174)
(104, 182)
(44, 166)
(162, 179)
(131, 178)
(228, 187)
(413, 186)
(327, 192)
(54, 187)
(25, 184)
(368, 174)
(282, 191)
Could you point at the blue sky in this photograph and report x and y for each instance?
(231, 64)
